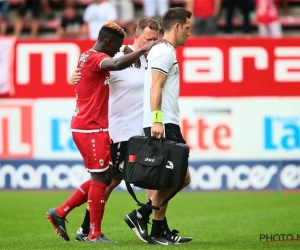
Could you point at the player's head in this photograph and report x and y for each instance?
(147, 31)
(111, 36)
(177, 21)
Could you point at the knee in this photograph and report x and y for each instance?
(103, 177)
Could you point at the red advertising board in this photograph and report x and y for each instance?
(42, 68)
(223, 67)
(218, 67)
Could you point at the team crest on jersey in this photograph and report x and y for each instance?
(83, 57)
(107, 80)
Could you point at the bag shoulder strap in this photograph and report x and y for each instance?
(131, 192)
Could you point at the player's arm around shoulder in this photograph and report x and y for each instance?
(125, 61)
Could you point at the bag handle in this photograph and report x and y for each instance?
(149, 140)
(131, 192)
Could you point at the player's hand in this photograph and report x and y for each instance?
(147, 47)
(157, 130)
(75, 77)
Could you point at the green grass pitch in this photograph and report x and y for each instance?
(216, 220)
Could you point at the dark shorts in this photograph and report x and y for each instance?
(172, 133)
(118, 153)
(33, 5)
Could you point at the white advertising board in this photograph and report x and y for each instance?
(241, 128)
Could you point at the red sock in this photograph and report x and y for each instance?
(75, 200)
(96, 200)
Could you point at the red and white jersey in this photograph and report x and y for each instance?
(92, 93)
(266, 11)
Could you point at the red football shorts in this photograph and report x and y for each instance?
(95, 150)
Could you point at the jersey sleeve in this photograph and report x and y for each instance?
(162, 59)
(96, 60)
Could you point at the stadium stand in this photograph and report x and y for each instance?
(290, 19)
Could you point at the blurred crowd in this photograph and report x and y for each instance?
(266, 12)
(72, 23)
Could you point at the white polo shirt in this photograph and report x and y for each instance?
(162, 58)
(126, 101)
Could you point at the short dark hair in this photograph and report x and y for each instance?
(173, 16)
(147, 22)
(110, 30)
